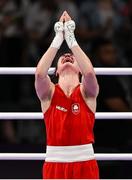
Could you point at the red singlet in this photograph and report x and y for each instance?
(69, 121)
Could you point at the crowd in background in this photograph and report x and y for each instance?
(104, 31)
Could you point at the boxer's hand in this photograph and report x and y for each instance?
(69, 28)
(59, 37)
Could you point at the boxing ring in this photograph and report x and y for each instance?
(38, 115)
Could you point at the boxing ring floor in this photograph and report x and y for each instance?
(101, 157)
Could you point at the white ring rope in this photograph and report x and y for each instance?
(31, 71)
(39, 115)
(22, 71)
(41, 156)
(32, 115)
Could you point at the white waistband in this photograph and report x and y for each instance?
(69, 153)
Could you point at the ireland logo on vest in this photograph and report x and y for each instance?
(75, 108)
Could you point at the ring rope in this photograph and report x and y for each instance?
(18, 115)
(31, 71)
(41, 156)
(39, 115)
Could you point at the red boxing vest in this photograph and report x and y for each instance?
(69, 121)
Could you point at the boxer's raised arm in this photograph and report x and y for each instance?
(89, 81)
(43, 84)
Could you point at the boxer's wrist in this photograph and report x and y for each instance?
(69, 28)
(58, 39)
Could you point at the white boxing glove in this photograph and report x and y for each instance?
(69, 28)
(58, 39)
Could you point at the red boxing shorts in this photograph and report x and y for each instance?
(74, 170)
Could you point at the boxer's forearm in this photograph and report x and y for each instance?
(45, 62)
(83, 61)
(47, 59)
(89, 80)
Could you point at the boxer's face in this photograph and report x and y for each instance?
(67, 61)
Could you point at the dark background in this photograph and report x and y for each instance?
(104, 31)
